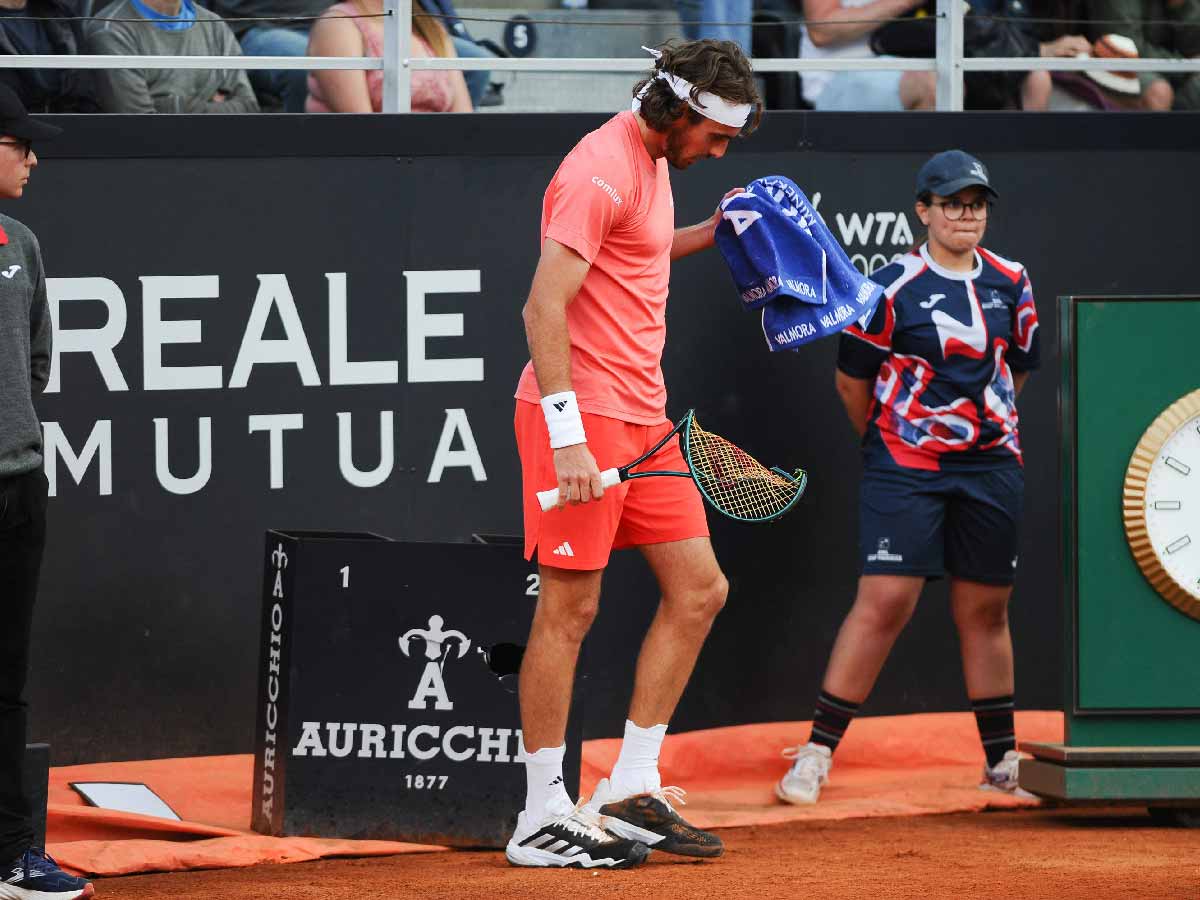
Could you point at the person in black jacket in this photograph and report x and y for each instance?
(1161, 29)
(258, 36)
(1001, 28)
(45, 90)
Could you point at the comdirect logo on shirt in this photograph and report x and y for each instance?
(607, 188)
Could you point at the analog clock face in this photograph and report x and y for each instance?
(1172, 508)
(1161, 504)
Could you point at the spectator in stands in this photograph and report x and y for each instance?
(735, 16)
(168, 28)
(1061, 30)
(776, 35)
(465, 46)
(1037, 86)
(1161, 29)
(287, 87)
(45, 90)
(875, 91)
(992, 29)
(1000, 28)
(358, 91)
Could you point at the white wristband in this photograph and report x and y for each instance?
(563, 420)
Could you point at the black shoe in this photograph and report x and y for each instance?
(574, 840)
(651, 819)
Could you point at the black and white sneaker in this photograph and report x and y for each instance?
(651, 818)
(573, 840)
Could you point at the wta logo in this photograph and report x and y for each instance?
(872, 239)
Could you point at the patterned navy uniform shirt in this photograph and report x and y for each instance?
(942, 348)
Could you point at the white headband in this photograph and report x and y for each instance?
(707, 104)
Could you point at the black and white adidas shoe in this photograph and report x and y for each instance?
(573, 840)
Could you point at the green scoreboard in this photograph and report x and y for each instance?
(1129, 437)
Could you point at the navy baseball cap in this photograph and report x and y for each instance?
(15, 121)
(950, 171)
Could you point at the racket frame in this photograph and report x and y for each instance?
(684, 427)
(800, 475)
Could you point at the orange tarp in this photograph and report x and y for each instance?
(886, 766)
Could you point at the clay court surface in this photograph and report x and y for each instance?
(1084, 854)
(901, 817)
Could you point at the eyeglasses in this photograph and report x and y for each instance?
(954, 208)
(26, 147)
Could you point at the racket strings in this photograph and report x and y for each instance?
(735, 482)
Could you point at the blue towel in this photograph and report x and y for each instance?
(785, 261)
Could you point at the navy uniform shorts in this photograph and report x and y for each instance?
(961, 523)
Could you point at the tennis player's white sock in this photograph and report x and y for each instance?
(545, 791)
(636, 771)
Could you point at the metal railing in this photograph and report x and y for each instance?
(398, 64)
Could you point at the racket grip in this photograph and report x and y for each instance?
(549, 499)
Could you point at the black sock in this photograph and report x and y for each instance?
(994, 716)
(831, 718)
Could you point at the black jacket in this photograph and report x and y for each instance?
(76, 91)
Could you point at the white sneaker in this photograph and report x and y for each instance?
(1002, 777)
(810, 769)
(573, 840)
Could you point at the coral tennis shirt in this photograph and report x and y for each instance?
(611, 203)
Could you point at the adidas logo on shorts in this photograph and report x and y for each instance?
(564, 549)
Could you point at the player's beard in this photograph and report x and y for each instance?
(676, 140)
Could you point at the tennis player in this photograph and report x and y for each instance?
(593, 397)
(931, 383)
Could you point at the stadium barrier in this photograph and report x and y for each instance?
(397, 64)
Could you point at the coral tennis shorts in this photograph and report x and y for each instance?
(640, 511)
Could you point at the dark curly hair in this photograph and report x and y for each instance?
(718, 67)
